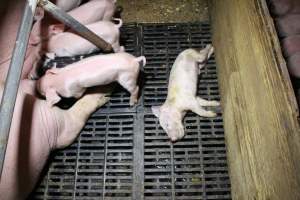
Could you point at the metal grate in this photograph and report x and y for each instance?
(123, 153)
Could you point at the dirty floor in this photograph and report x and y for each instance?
(164, 11)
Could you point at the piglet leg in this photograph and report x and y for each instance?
(134, 96)
(52, 97)
(130, 85)
(210, 50)
(204, 55)
(117, 48)
(204, 102)
(76, 116)
(196, 108)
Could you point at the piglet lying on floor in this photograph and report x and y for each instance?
(73, 80)
(182, 91)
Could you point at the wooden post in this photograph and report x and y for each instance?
(260, 111)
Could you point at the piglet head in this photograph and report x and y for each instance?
(170, 120)
(199, 56)
(204, 55)
(39, 13)
(55, 29)
(36, 32)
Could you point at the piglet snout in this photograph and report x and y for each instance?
(176, 138)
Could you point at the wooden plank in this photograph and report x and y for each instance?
(260, 111)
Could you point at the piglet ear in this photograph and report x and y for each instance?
(56, 29)
(50, 55)
(205, 54)
(39, 13)
(34, 40)
(52, 71)
(180, 130)
(210, 52)
(155, 110)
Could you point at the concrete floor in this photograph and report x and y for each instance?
(164, 11)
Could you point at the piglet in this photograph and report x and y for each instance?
(74, 79)
(182, 90)
(291, 45)
(94, 11)
(283, 7)
(288, 25)
(59, 43)
(67, 5)
(293, 63)
(71, 44)
(8, 33)
(87, 13)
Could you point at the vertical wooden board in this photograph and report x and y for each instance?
(260, 114)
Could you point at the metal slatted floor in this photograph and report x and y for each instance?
(123, 153)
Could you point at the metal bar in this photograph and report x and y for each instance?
(13, 77)
(139, 134)
(75, 25)
(138, 156)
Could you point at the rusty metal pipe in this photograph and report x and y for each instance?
(75, 25)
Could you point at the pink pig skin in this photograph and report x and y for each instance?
(8, 34)
(10, 11)
(35, 131)
(74, 79)
(283, 7)
(291, 45)
(94, 11)
(182, 92)
(297, 91)
(87, 13)
(294, 65)
(66, 5)
(71, 44)
(288, 25)
(32, 60)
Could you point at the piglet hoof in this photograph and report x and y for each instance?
(210, 114)
(173, 139)
(204, 102)
(50, 104)
(214, 103)
(134, 96)
(32, 76)
(132, 102)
